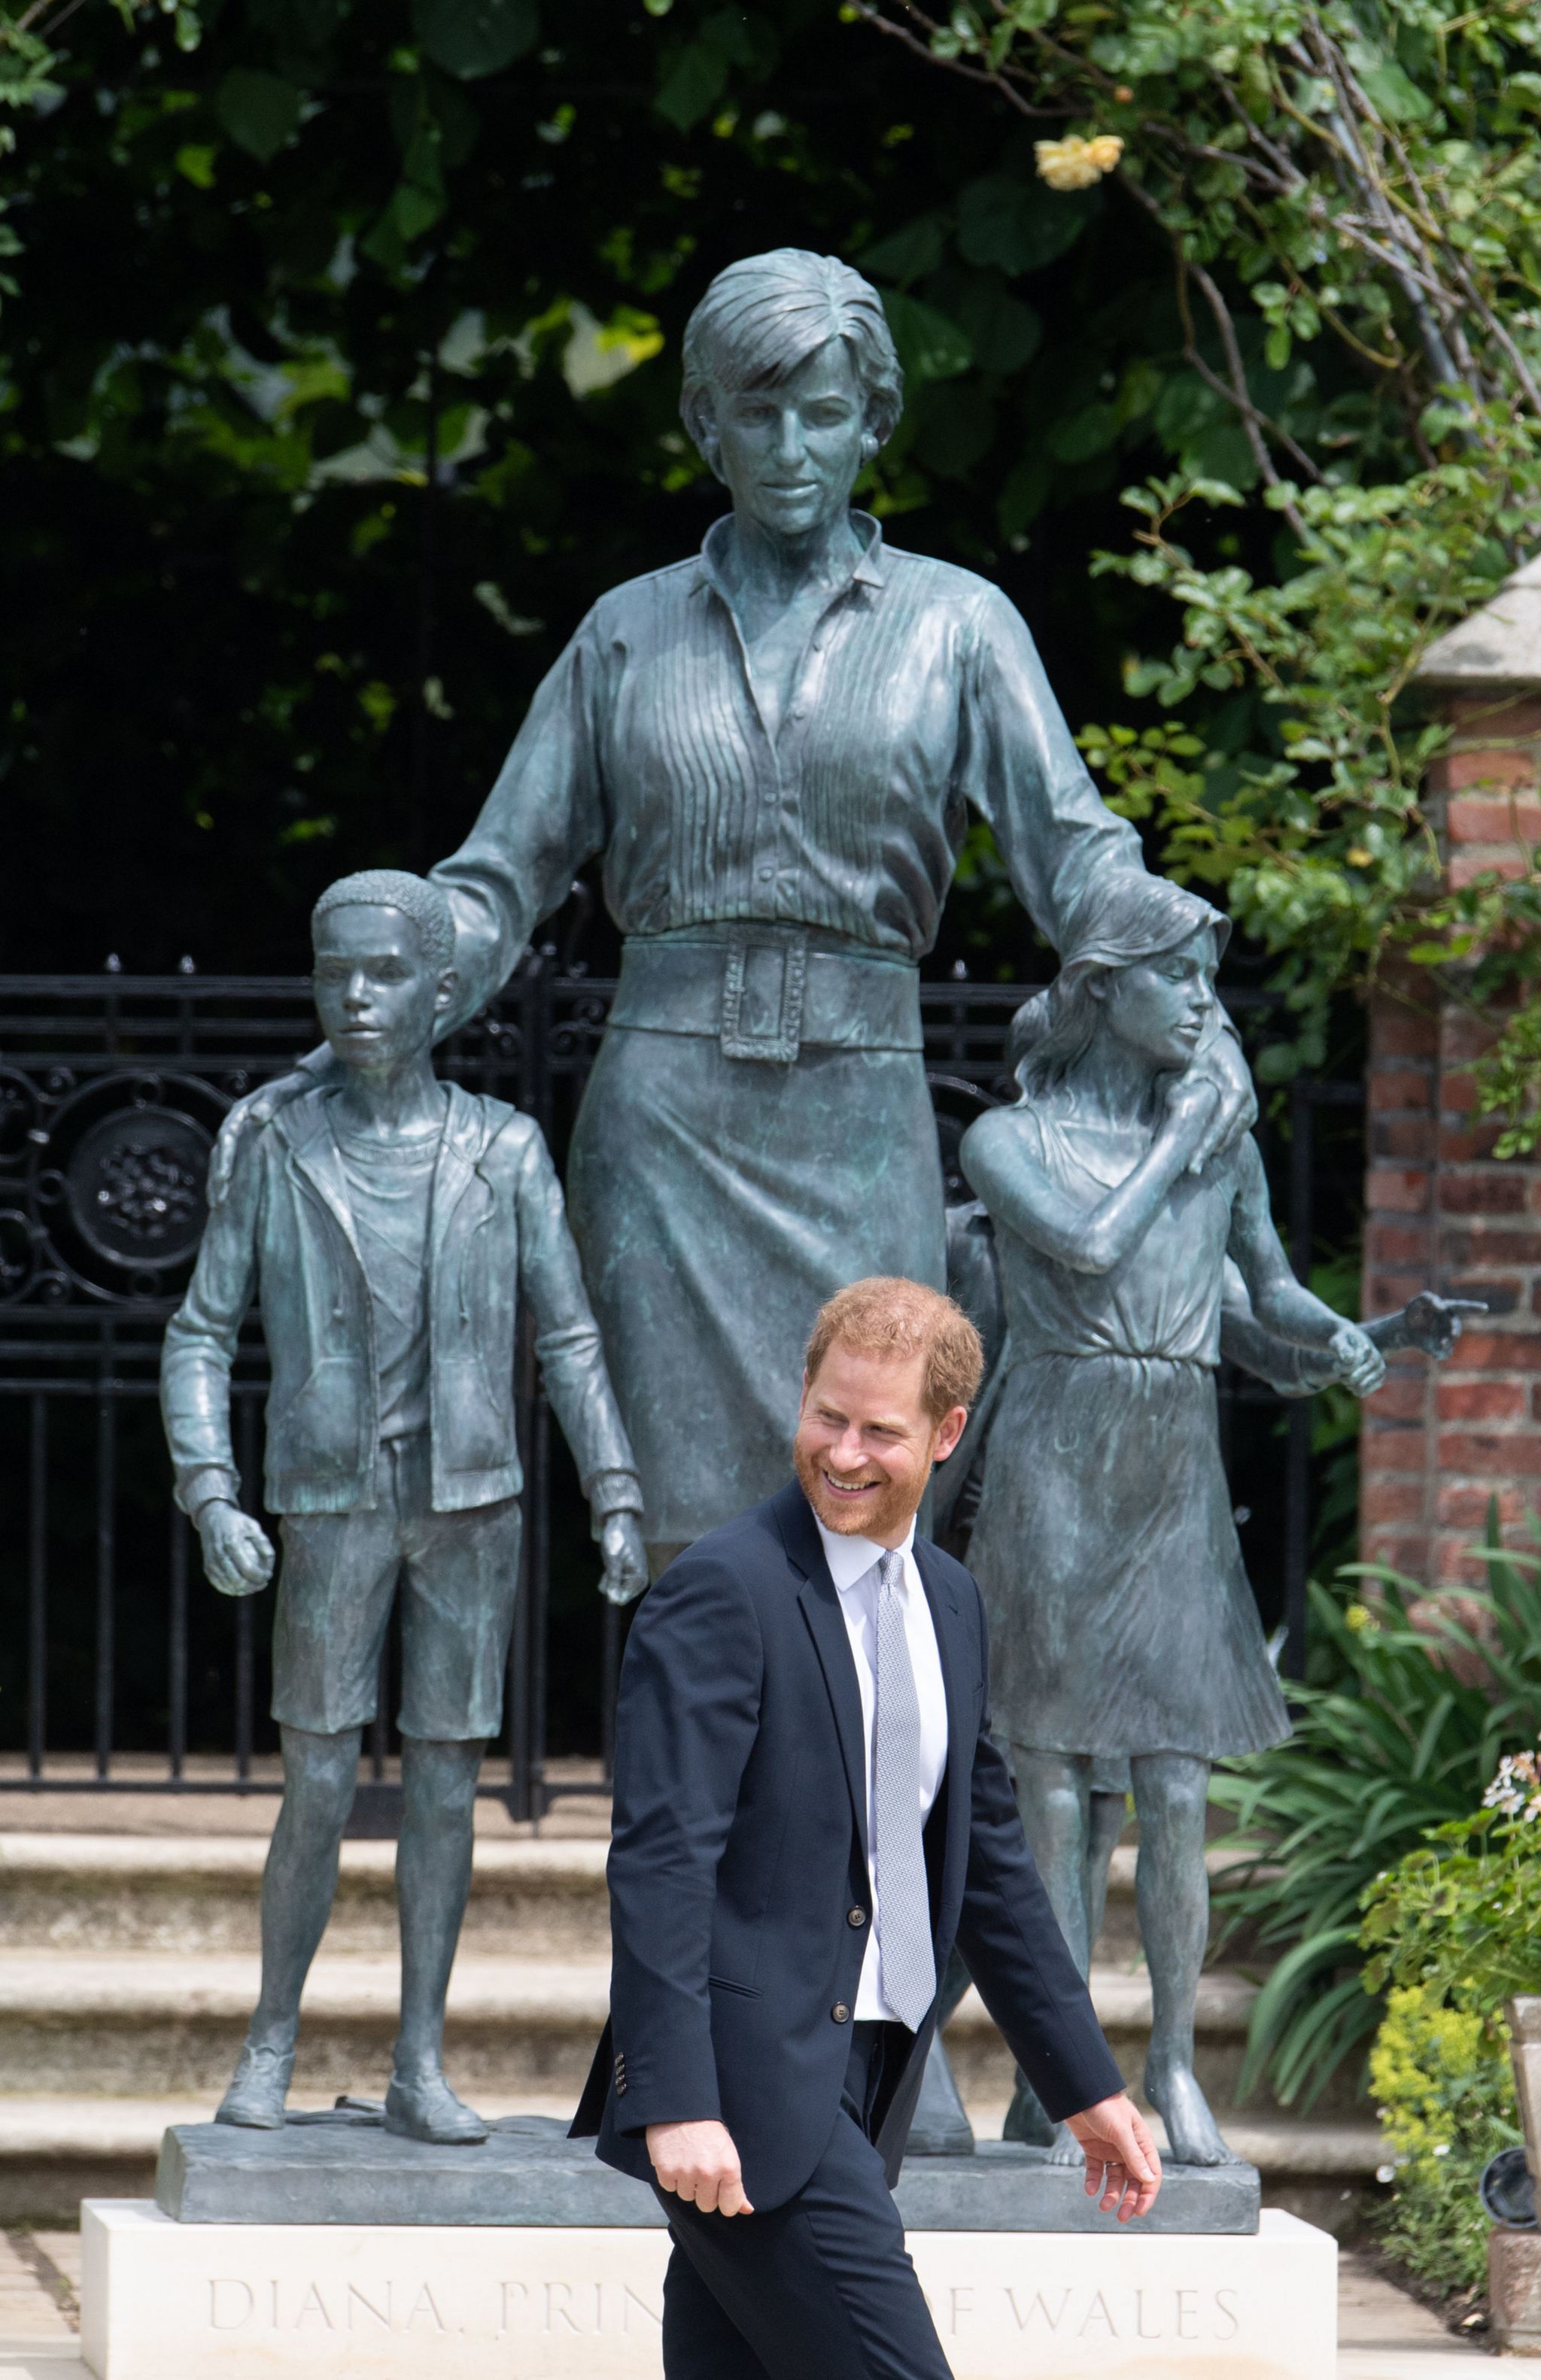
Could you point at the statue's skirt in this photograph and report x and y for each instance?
(718, 1201)
(1121, 1620)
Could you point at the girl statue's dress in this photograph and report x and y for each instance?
(1121, 1618)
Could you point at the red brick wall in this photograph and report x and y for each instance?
(1442, 1212)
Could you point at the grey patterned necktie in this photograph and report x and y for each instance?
(907, 1967)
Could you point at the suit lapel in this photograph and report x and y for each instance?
(821, 1608)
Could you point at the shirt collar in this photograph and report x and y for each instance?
(867, 568)
(851, 1559)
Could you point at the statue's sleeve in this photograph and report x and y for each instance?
(200, 1339)
(1019, 767)
(545, 815)
(568, 1343)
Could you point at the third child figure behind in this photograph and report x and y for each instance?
(1121, 1618)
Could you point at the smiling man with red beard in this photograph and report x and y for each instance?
(809, 1812)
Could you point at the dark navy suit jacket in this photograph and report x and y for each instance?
(739, 1899)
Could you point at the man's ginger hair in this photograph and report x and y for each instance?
(887, 1316)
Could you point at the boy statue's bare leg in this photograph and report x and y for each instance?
(321, 1773)
(432, 1882)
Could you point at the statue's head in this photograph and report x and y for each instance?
(385, 973)
(792, 384)
(1138, 962)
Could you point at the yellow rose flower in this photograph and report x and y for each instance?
(1074, 163)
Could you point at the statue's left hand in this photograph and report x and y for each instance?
(1222, 1061)
(620, 1539)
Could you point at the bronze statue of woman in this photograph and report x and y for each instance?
(1122, 1623)
(774, 746)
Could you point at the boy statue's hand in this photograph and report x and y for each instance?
(238, 1555)
(620, 1539)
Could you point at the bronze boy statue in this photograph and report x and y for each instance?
(388, 1222)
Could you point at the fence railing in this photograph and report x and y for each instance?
(118, 1668)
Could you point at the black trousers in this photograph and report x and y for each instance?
(821, 2289)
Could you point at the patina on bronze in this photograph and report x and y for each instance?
(774, 747)
(390, 1225)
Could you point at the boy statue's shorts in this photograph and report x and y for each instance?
(459, 1576)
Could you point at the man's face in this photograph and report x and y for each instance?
(790, 455)
(376, 994)
(865, 1442)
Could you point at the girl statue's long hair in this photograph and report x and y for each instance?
(1116, 923)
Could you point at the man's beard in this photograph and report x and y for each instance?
(889, 1510)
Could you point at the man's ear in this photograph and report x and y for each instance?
(949, 1429)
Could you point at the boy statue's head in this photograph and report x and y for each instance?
(384, 949)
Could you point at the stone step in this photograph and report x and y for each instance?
(169, 1893)
(528, 1900)
(55, 2150)
(158, 2022)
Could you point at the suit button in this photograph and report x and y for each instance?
(840, 2013)
(856, 1916)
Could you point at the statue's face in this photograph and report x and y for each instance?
(790, 455)
(377, 994)
(1163, 1007)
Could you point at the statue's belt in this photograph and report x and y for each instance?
(767, 993)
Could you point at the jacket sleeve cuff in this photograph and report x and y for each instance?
(208, 1484)
(612, 1491)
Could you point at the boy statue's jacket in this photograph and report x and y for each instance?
(497, 1229)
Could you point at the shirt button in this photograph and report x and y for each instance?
(856, 1916)
(840, 2013)
(765, 874)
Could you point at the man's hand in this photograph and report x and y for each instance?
(1220, 1058)
(620, 1540)
(245, 1119)
(238, 1555)
(1122, 2163)
(699, 2164)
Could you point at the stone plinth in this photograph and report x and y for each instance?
(166, 2300)
(342, 2167)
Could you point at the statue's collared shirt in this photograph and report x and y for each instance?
(919, 693)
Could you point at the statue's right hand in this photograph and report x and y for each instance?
(1192, 1103)
(238, 1553)
(244, 1120)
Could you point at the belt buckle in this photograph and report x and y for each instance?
(763, 984)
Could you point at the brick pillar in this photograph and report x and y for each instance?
(1441, 1211)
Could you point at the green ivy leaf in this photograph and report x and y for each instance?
(472, 38)
(259, 111)
(695, 86)
(1019, 225)
(930, 346)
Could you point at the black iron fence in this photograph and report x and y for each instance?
(118, 1668)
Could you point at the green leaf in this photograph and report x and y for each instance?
(1084, 434)
(259, 111)
(472, 38)
(695, 85)
(906, 254)
(1019, 225)
(930, 346)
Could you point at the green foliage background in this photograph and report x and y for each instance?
(339, 375)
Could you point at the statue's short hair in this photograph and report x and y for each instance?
(765, 315)
(393, 888)
(889, 1316)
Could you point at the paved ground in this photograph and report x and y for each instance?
(1385, 2335)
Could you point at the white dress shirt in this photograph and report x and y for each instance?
(853, 1567)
